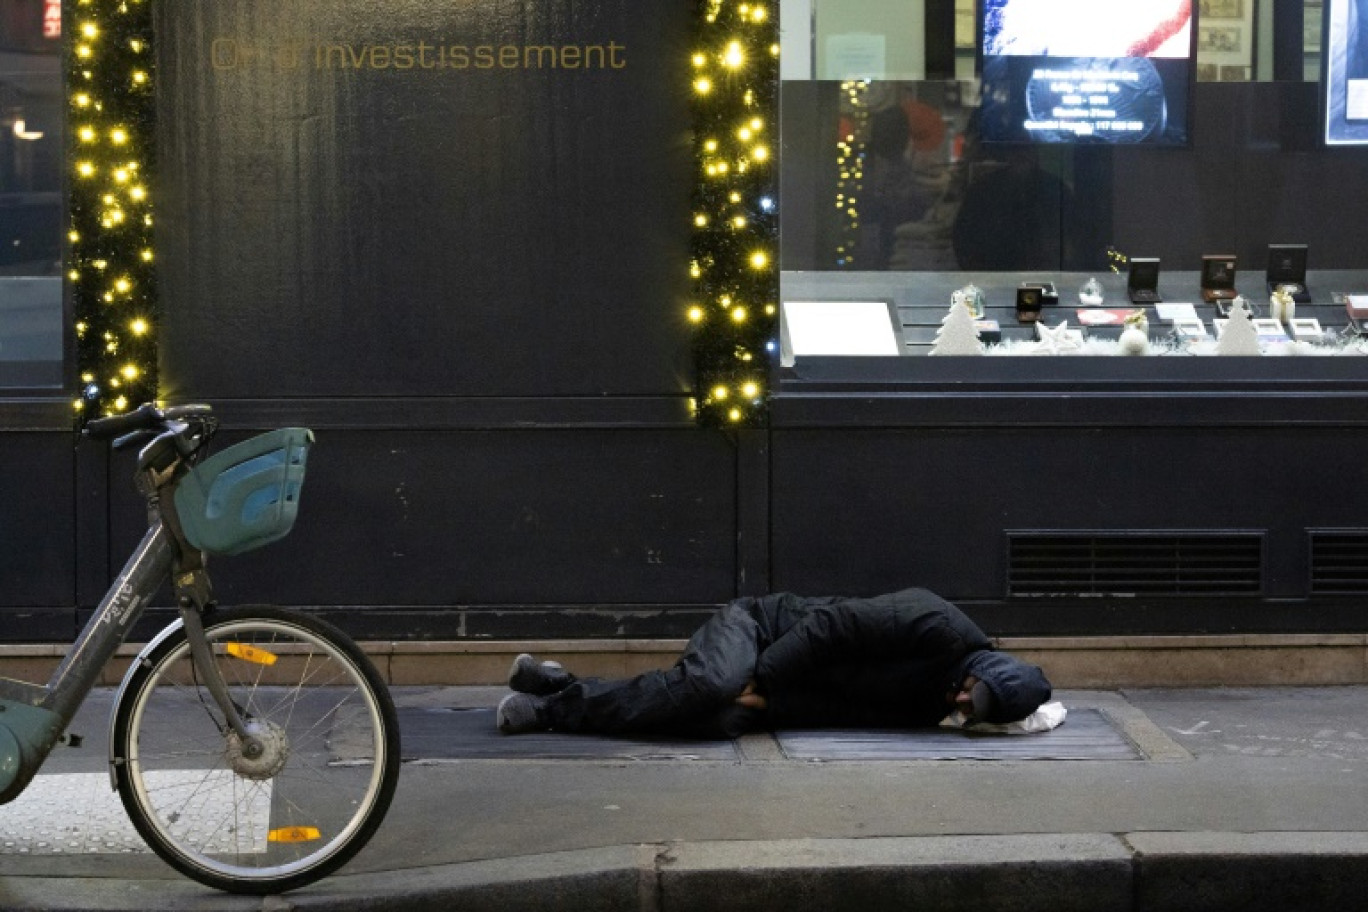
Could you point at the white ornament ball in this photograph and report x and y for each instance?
(1133, 341)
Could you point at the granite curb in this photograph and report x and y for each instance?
(1131, 872)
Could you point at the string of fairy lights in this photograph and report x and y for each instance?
(734, 256)
(850, 162)
(110, 262)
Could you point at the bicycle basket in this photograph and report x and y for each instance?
(245, 496)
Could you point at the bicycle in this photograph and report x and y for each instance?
(255, 749)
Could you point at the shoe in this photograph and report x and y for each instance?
(519, 713)
(539, 678)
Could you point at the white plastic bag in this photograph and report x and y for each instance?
(1046, 717)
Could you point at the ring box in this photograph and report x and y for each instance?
(1029, 299)
(1287, 268)
(1218, 278)
(1142, 283)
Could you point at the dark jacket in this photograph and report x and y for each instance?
(887, 661)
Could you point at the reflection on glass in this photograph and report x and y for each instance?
(31, 207)
(893, 175)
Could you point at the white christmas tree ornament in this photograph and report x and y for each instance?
(957, 334)
(1239, 337)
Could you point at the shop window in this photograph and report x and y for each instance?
(31, 205)
(901, 184)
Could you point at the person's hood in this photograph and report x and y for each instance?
(1018, 688)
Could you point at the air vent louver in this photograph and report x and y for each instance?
(1134, 564)
(1339, 562)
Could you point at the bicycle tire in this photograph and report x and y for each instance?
(274, 823)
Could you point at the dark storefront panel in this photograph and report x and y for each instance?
(1060, 529)
(37, 538)
(482, 533)
(356, 206)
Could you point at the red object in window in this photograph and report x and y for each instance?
(52, 18)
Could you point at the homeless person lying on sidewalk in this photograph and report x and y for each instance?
(903, 660)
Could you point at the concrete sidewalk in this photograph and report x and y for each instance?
(1234, 799)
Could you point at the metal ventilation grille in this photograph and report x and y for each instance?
(1154, 564)
(1339, 563)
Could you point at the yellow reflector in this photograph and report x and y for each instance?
(250, 654)
(294, 834)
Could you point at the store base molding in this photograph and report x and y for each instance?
(1096, 662)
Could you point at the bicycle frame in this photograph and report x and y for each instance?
(33, 717)
(44, 712)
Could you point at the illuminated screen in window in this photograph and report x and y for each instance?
(1346, 72)
(1101, 71)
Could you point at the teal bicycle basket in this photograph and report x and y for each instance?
(245, 496)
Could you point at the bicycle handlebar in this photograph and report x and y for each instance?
(144, 417)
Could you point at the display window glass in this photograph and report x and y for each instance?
(31, 206)
(1081, 177)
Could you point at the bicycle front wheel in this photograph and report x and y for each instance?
(300, 808)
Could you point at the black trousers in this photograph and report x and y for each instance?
(694, 698)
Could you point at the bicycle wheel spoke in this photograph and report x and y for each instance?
(275, 810)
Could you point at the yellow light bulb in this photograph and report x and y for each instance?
(757, 124)
(710, 145)
(738, 315)
(699, 60)
(695, 314)
(734, 197)
(82, 100)
(136, 45)
(118, 136)
(733, 56)
(760, 153)
(89, 30)
(87, 134)
(73, 275)
(139, 77)
(750, 390)
(759, 14)
(87, 378)
(138, 194)
(759, 259)
(701, 221)
(734, 414)
(130, 372)
(146, 256)
(73, 237)
(703, 86)
(739, 222)
(774, 50)
(122, 286)
(743, 134)
(719, 392)
(139, 327)
(120, 404)
(83, 52)
(85, 169)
